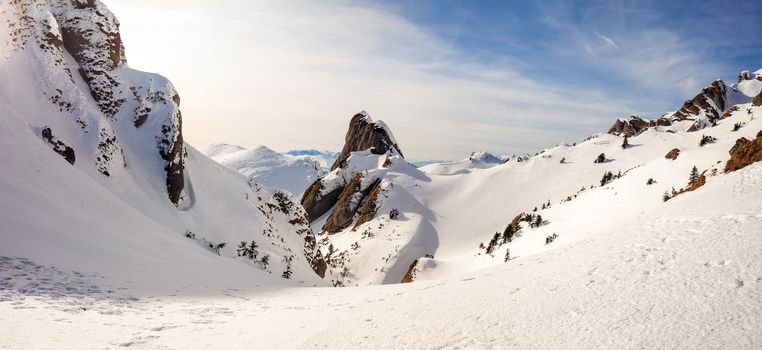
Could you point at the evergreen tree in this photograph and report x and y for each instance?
(265, 261)
(287, 273)
(242, 249)
(694, 175)
(538, 221)
(625, 144)
(666, 196)
(563, 160)
(600, 159)
(508, 234)
(253, 250)
(507, 255)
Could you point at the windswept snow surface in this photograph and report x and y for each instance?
(683, 274)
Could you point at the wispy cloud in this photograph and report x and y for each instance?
(607, 40)
(291, 74)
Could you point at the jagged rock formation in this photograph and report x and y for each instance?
(635, 125)
(74, 91)
(711, 101)
(744, 153)
(89, 32)
(366, 134)
(348, 189)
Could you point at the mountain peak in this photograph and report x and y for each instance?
(365, 134)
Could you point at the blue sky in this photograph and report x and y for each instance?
(449, 77)
(585, 43)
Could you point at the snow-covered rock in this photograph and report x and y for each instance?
(95, 164)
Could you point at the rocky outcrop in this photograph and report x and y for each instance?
(635, 125)
(355, 199)
(365, 134)
(757, 101)
(371, 204)
(744, 75)
(58, 146)
(744, 153)
(317, 203)
(410, 274)
(672, 154)
(90, 34)
(349, 197)
(711, 100)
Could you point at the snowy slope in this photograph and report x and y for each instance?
(688, 275)
(448, 210)
(267, 167)
(100, 172)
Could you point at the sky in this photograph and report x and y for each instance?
(448, 77)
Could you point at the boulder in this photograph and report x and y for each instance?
(673, 154)
(744, 153)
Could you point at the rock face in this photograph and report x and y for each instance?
(711, 100)
(744, 153)
(89, 32)
(344, 189)
(366, 134)
(757, 101)
(635, 125)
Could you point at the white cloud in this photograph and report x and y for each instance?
(607, 40)
(291, 74)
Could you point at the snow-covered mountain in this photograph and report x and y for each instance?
(111, 224)
(267, 167)
(95, 165)
(384, 221)
(325, 158)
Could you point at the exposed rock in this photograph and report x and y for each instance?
(410, 274)
(350, 201)
(317, 204)
(744, 153)
(365, 134)
(701, 181)
(744, 75)
(729, 112)
(58, 146)
(757, 101)
(368, 210)
(673, 154)
(635, 125)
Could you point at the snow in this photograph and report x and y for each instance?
(107, 256)
(267, 167)
(687, 276)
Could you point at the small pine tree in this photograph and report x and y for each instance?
(508, 234)
(265, 260)
(666, 196)
(600, 159)
(625, 143)
(694, 175)
(563, 160)
(507, 255)
(535, 209)
(242, 249)
(650, 181)
(538, 221)
(253, 250)
(287, 273)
